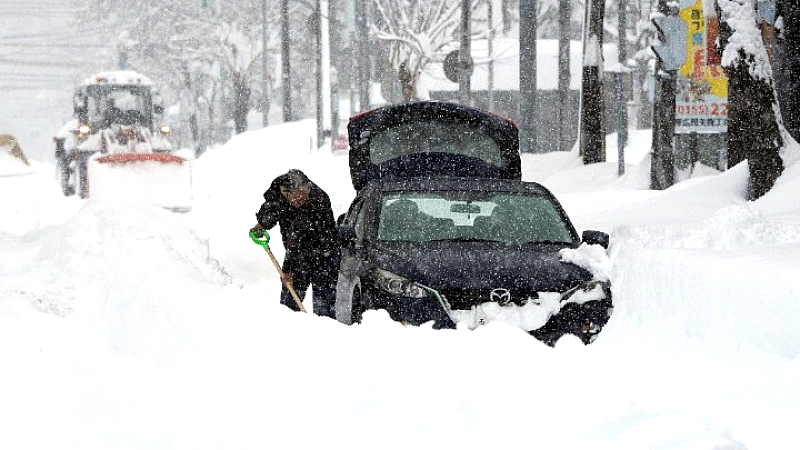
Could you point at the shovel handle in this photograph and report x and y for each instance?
(262, 239)
(288, 284)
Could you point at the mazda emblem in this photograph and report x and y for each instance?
(501, 296)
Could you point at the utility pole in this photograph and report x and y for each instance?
(465, 53)
(319, 24)
(265, 104)
(787, 65)
(527, 76)
(490, 83)
(593, 123)
(564, 73)
(619, 86)
(364, 72)
(315, 25)
(335, 40)
(286, 77)
(353, 54)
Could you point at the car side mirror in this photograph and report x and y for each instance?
(595, 237)
(347, 235)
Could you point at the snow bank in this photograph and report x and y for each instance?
(121, 329)
(10, 165)
(230, 182)
(165, 184)
(32, 198)
(122, 253)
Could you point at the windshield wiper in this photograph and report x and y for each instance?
(549, 242)
(463, 239)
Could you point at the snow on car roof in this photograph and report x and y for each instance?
(118, 77)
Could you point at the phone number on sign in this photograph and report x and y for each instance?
(702, 109)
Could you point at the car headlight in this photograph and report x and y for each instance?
(84, 129)
(165, 129)
(397, 285)
(586, 291)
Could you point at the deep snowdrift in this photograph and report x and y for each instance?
(127, 326)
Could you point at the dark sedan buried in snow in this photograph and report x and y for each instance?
(442, 230)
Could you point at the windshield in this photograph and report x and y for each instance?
(469, 216)
(434, 137)
(125, 105)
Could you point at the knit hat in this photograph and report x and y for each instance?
(293, 180)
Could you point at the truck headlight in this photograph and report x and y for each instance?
(84, 129)
(397, 285)
(165, 129)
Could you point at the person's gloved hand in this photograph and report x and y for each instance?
(257, 229)
(287, 278)
(259, 236)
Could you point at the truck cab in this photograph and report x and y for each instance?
(113, 112)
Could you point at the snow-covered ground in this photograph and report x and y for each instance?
(125, 326)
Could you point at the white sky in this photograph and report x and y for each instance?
(44, 55)
(125, 326)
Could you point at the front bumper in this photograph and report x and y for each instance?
(547, 315)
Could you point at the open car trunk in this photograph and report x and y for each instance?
(432, 139)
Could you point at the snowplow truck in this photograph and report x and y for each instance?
(117, 136)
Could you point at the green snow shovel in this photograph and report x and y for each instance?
(261, 238)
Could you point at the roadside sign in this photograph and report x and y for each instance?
(701, 104)
(671, 51)
(452, 66)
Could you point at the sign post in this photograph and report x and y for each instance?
(669, 57)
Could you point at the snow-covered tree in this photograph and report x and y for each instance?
(754, 129)
(417, 33)
(203, 51)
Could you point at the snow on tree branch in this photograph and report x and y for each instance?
(416, 32)
(745, 38)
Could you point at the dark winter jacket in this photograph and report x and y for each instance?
(307, 232)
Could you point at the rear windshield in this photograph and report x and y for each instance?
(470, 216)
(434, 137)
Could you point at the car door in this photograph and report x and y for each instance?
(351, 232)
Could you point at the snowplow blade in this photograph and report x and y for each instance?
(161, 179)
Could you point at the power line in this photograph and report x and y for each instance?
(88, 32)
(55, 45)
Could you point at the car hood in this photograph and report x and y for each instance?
(453, 267)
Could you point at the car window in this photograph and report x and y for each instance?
(434, 137)
(355, 217)
(465, 216)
